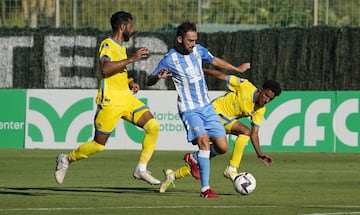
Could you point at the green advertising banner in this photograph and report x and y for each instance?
(317, 121)
(12, 118)
(296, 121)
(346, 121)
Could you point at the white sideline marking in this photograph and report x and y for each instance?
(187, 206)
(133, 207)
(337, 213)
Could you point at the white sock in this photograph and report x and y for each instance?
(231, 168)
(141, 167)
(203, 189)
(64, 161)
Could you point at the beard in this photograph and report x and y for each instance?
(126, 36)
(180, 47)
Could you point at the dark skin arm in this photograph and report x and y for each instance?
(216, 74)
(254, 136)
(108, 67)
(152, 79)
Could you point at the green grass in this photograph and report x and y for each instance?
(297, 183)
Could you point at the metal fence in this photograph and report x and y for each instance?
(162, 15)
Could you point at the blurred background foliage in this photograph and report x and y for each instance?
(161, 15)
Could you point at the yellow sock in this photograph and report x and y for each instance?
(152, 128)
(182, 172)
(84, 150)
(238, 150)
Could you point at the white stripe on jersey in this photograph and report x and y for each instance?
(195, 80)
(180, 88)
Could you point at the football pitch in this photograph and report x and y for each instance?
(297, 183)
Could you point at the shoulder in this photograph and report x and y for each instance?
(200, 48)
(237, 80)
(169, 55)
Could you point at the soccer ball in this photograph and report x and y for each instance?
(244, 183)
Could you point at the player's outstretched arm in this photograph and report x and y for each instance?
(266, 159)
(108, 67)
(152, 79)
(218, 62)
(215, 73)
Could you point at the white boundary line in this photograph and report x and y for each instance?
(135, 207)
(194, 206)
(336, 213)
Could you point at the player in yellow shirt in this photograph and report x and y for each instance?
(115, 101)
(242, 99)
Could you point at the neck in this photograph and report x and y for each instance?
(179, 47)
(118, 37)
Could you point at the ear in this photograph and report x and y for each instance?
(179, 39)
(122, 27)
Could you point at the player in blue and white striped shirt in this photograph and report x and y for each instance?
(183, 64)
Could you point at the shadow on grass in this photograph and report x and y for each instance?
(41, 191)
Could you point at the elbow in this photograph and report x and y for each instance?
(104, 70)
(150, 81)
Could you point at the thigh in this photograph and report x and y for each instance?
(194, 125)
(221, 144)
(137, 112)
(238, 128)
(213, 124)
(106, 118)
(233, 125)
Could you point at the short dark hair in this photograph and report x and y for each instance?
(273, 86)
(185, 27)
(118, 19)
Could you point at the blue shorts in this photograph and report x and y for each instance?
(201, 121)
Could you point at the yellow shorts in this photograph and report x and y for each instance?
(227, 122)
(107, 116)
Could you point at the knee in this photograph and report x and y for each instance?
(203, 142)
(152, 126)
(221, 145)
(222, 148)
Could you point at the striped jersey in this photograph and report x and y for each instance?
(188, 76)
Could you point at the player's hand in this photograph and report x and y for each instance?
(141, 53)
(266, 159)
(243, 67)
(134, 87)
(164, 73)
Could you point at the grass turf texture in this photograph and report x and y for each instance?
(297, 183)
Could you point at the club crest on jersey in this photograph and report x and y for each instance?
(240, 80)
(196, 54)
(196, 129)
(105, 46)
(98, 126)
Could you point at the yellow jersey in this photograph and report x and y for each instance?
(239, 101)
(114, 86)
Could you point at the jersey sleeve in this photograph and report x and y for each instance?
(233, 82)
(205, 54)
(104, 50)
(162, 65)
